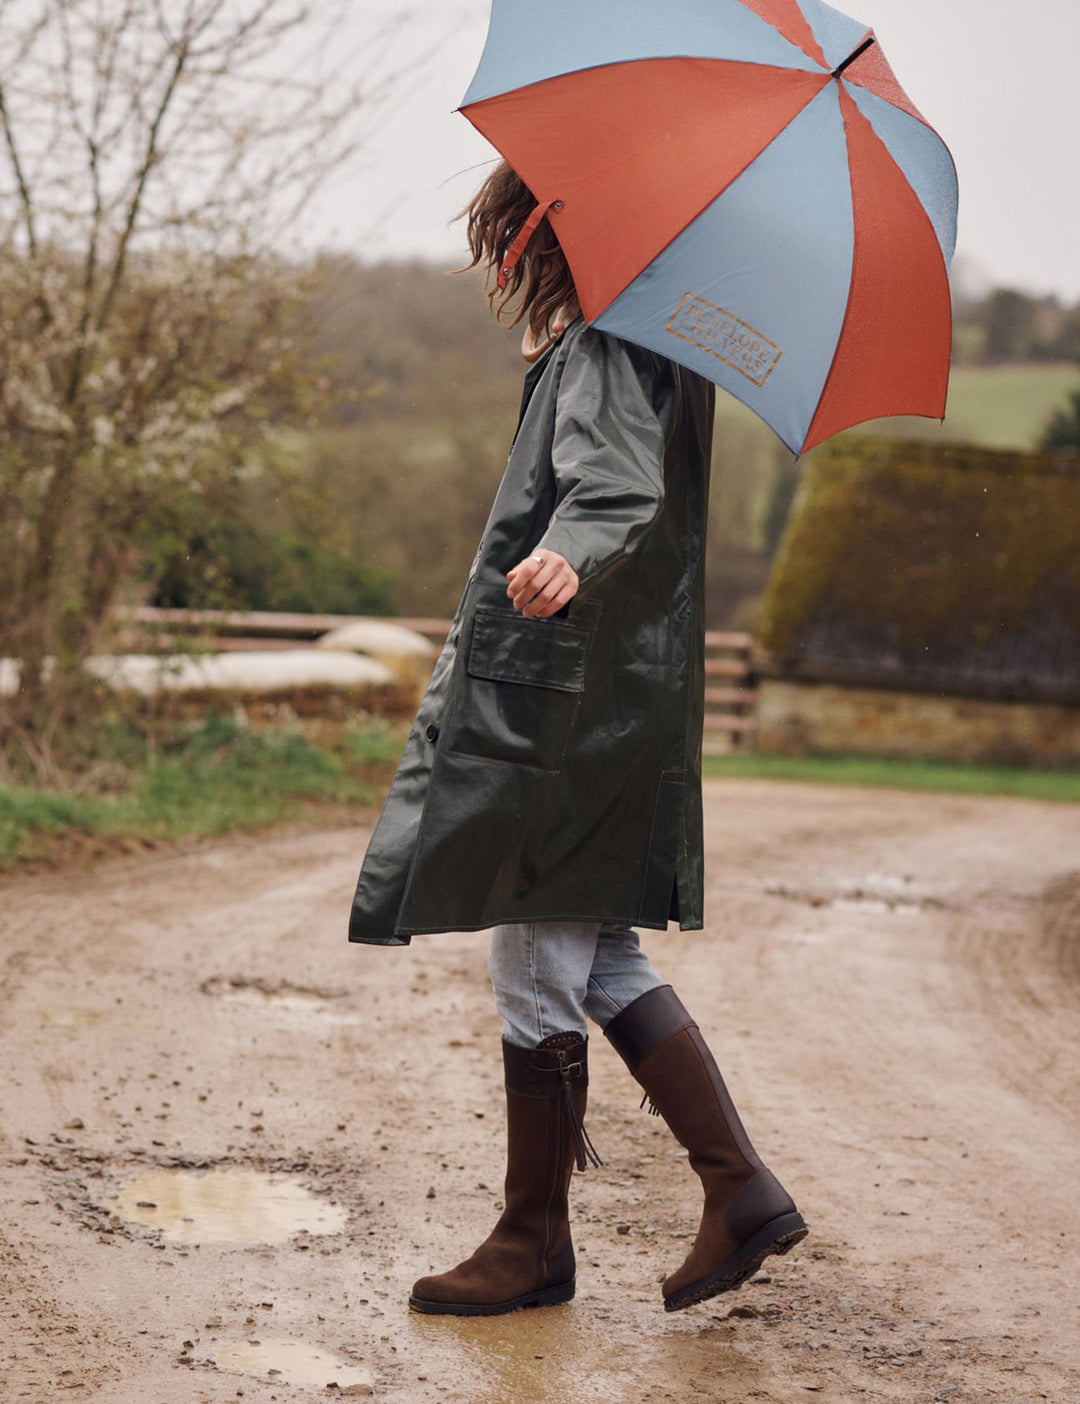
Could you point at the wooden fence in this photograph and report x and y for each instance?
(231, 630)
(729, 694)
(729, 683)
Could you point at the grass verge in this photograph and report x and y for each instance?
(937, 777)
(213, 779)
(218, 778)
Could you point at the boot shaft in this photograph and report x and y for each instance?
(662, 1046)
(546, 1099)
(557, 1071)
(747, 1213)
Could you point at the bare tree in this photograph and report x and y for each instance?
(156, 156)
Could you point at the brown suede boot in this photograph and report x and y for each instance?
(748, 1214)
(528, 1259)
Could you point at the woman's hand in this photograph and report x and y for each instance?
(541, 584)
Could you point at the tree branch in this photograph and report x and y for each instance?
(20, 178)
(147, 163)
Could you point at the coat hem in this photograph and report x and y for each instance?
(401, 936)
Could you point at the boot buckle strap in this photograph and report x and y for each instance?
(565, 1071)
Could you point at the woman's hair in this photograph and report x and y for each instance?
(541, 281)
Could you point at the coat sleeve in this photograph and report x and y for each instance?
(607, 454)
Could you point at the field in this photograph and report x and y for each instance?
(998, 406)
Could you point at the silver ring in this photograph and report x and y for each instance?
(539, 560)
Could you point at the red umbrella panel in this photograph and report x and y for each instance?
(741, 185)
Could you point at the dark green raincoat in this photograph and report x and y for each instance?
(554, 768)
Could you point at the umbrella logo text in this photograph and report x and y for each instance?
(725, 336)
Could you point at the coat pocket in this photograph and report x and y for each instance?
(520, 690)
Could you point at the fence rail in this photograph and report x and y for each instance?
(729, 685)
(240, 628)
(729, 707)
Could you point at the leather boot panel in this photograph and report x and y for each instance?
(562, 1267)
(723, 1096)
(684, 1082)
(728, 1221)
(760, 1200)
(645, 1024)
(499, 1271)
(713, 1247)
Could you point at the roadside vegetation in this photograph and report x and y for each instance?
(147, 786)
(935, 777)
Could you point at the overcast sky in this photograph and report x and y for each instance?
(997, 79)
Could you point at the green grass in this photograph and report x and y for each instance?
(215, 779)
(26, 813)
(996, 406)
(937, 777)
(378, 742)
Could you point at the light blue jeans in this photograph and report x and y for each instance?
(549, 975)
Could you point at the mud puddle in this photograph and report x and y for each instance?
(73, 1018)
(293, 1363)
(281, 997)
(883, 892)
(63, 1018)
(245, 989)
(551, 1356)
(225, 1206)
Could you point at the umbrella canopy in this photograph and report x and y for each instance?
(742, 186)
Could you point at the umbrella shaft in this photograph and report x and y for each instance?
(853, 56)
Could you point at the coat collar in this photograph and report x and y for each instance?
(533, 350)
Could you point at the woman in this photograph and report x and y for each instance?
(550, 788)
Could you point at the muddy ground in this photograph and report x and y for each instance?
(230, 1142)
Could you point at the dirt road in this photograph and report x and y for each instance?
(230, 1142)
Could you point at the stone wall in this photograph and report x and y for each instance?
(806, 718)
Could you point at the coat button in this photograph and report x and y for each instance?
(432, 733)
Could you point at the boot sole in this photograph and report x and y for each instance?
(779, 1237)
(549, 1296)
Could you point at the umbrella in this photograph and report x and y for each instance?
(740, 185)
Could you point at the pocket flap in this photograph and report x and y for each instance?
(509, 648)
